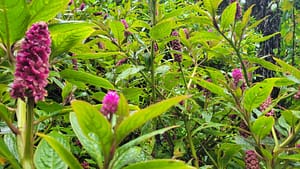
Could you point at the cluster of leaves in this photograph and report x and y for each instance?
(93, 51)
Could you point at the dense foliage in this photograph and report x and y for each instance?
(148, 84)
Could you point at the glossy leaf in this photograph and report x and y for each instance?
(256, 95)
(212, 6)
(86, 78)
(117, 29)
(129, 72)
(46, 9)
(97, 55)
(66, 35)
(247, 16)
(228, 15)
(262, 126)
(4, 113)
(92, 147)
(63, 153)
(11, 143)
(45, 156)
(140, 117)
(226, 152)
(293, 157)
(264, 63)
(262, 39)
(160, 164)
(162, 29)
(14, 18)
(123, 108)
(93, 125)
(4, 151)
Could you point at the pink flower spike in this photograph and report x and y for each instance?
(32, 64)
(110, 103)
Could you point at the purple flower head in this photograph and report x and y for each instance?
(110, 103)
(175, 44)
(238, 13)
(265, 105)
(187, 33)
(82, 6)
(32, 64)
(237, 75)
(251, 160)
(124, 23)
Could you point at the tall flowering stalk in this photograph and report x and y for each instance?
(32, 70)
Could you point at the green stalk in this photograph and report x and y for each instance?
(152, 5)
(27, 161)
(190, 140)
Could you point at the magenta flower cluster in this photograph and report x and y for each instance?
(266, 104)
(175, 44)
(110, 103)
(32, 64)
(251, 160)
(238, 14)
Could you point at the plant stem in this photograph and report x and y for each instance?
(183, 77)
(152, 6)
(190, 140)
(294, 35)
(27, 161)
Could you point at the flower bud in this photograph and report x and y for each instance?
(251, 160)
(175, 44)
(110, 103)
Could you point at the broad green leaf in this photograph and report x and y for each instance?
(212, 6)
(11, 142)
(123, 108)
(246, 16)
(262, 126)
(293, 157)
(117, 29)
(211, 87)
(66, 35)
(97, 55)
(93, 125)
(132, 155)
(226, 152)
(280, 81)
(45, 156)
(86, 78)
(140, 117)
(46, 9)
(160, 164)
(14, 18)
(291, 116)
(288, 68)
(262, 39)
(128, 72)
(228, 15)
(256, 95)
(264, 63)
(92, 147)
(4, 151)
(66, 90)
(162, 29)
(256, 23)
(63, 153)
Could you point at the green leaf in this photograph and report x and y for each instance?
(160, 164)
(290, 117)
(129, 72)
(247, 16)
(117, 29)
(45, 156)
(11, 142)
(212, 87)
(64, 153)
(93, 148)
(97, 55)
(262, 39)
(226, 152)
(142, 138)
(288, 68)
(123, 108)
(140, 117)
(66, 90)
(93, 125)
(86, 78)
(4, 113)
(46, 9)
(264, 63)
(14, 18)
(262, 126)
(132, 155)
(66, 35)
(4, 151)
(293, 157)
(162, 29)
(228, 16)
(212, 6)
(256, 95)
